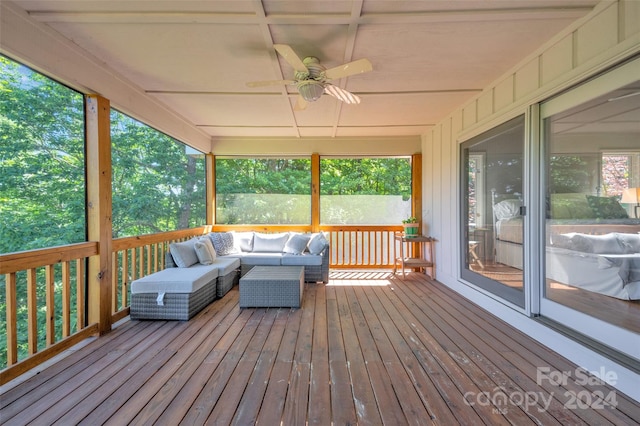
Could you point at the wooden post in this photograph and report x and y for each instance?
(416, 187)
(315, 192)
(99, 224)
(416, 197)
(210, 161)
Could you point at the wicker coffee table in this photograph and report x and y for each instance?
(272, 286)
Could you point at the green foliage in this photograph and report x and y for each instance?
(263, 190)
(569, 174)
(366, 176)
(278, 190)
(41, 161)
(156, 185)
(411, 219)
(263, 176)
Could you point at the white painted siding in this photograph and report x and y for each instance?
(608, 35)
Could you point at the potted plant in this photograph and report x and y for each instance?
(411, 226)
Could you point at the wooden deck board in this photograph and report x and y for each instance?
(519, 350)
(377, 350)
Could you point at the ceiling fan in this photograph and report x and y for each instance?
(312, 79)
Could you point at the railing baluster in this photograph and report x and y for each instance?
(12, 318)
(50, 303)
(66, 299)
(375, 248)
(156, 262)
(125, 267)
(134, 258)
(80, 281)
(32, 311)
(114, 281)
(148, 250)
(141, 262)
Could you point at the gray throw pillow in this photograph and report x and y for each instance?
(168, 260)
(317, 243)
(297, 243)
(205, 251)
(184, 254)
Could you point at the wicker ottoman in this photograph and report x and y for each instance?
(173, 293)
(272, 286)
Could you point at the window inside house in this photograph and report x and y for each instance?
(365, 191)
(42, 181)
(256, 191)
(158, 182)
(592, 235)
(493, 238)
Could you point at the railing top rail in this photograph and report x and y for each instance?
(141, 240)
(361, 227)
(263, 228)
(19, 261)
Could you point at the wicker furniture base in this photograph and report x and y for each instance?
(272, 286)
(226, 283)
(177, 306)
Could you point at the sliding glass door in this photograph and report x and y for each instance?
(493, 237)
(591, 173)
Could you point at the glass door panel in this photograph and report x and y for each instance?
(492, 216)
(592, 236)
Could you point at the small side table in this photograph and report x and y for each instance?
(416, 262)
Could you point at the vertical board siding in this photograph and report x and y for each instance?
(597, 35)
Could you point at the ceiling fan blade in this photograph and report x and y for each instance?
(270, 83)
(351, 68)
(301, 104)
(341, 94)
(290, 56)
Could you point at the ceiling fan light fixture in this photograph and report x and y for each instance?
(310, 90)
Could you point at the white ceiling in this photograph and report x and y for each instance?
(429, 57)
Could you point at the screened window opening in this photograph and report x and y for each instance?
(158, 182)
(365, 191)
(263, 191)
(42, 181)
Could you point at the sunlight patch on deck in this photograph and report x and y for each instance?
(357, 278)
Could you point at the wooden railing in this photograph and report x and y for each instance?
(362, 246)
(60, 274)
(352, 246)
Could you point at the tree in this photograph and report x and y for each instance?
(41, 161)
(157, 185)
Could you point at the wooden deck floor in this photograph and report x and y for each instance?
(364, 349)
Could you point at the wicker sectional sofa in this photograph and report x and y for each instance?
(192, 280)
(278, 249)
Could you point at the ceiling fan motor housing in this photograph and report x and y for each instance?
(316, 70)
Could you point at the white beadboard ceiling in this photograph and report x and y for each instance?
(429, 57)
